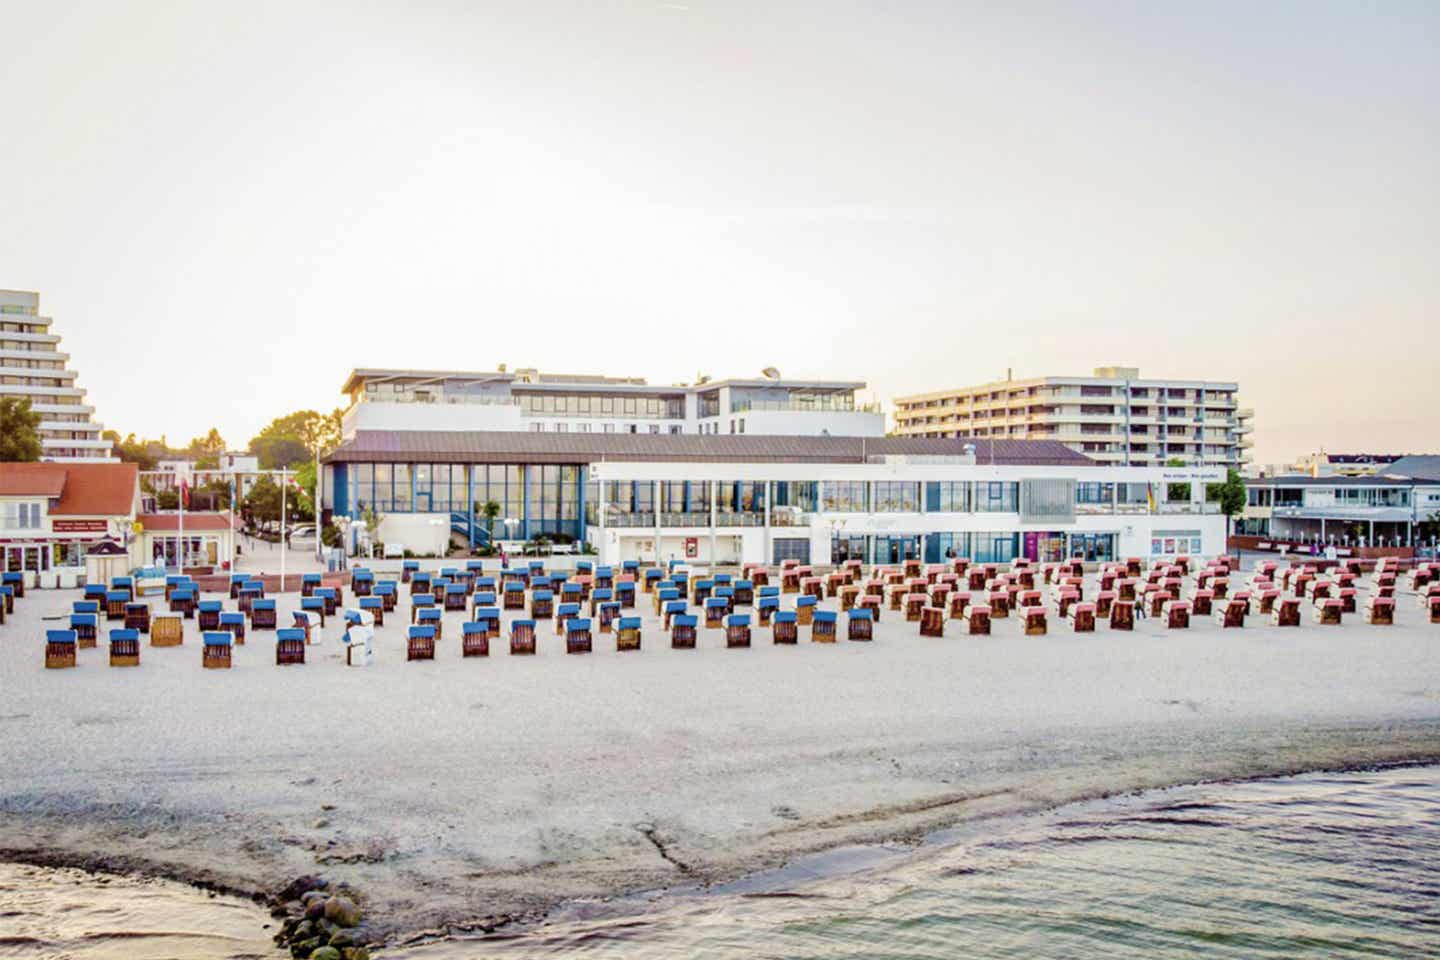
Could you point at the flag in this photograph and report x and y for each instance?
(184, 494)
(1150, 496)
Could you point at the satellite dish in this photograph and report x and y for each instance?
(770, 373)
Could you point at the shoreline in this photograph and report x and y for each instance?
(939, 819)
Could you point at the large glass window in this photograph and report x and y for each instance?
(382, 487)
(893, 496)
(400, 499)
(997, 497)
(948, 497)
(844, 496)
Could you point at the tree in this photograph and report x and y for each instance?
(490, 510)
(167, 500)
(146, 453)
(1177, 491)
(207, 450)
(19, 431)
(262, 503)
(1230, 495)
(293, 439)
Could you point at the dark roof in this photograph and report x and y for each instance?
(1419, 466)
(445, 446)
(83, 489)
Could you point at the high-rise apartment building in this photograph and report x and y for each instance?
(1113, 417)
(31, 365)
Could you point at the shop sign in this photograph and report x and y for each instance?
(78, 526)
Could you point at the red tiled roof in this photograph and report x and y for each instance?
(83, 489)
(166, 522)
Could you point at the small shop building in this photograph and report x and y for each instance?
(52, 515)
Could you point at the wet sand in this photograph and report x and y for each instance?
(460, 790)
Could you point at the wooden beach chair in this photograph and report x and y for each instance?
(374, 606)
(309, 583)
(362, 582)
(625, 594)
(289, 646)
(513, 595)
(1329, 612)
(1286, 612)
(959, 600)
(124, 647)
(115, 601)
(600, 596)
(609, 612)
(420, 642)
(860, 624)
(542, 604)
(432, 617)
(914, 603)
(977, 621)
(784, 627)
(627, 633)
(167, 630)
(215, 650)
(682, 631)
(823, 626)
(1231, 614)
(233, 623)
(455, 596)
(1177, 615)
(475, 638)
(522, 637)
(1082, 617)
(262, 615)
(564, 613)
(715, 610)
(207, 614)
(389, 594)
(737, 630)
(932, 622)
(137, 616)
(999, 604)
(86, 627)
(419, 582)
(421, 601)
(1122, 615)
(765, 608)
(60, 649)
(577, 635)
(1380, 611)
(1036, 624)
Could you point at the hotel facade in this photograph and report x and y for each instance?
(33, 367)
(733, 499)
(1113, 417)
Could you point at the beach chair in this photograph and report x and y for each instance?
(577, 635)
(604, 578)
(860, 625)
(389, 594)
(1036, 623)
(1231, 613)
(742, 593)
(420, 641)
(572, 592)
(331, 598)
(784, 627)
(1434, 609)
(432, 617)
(542, 604)
(182, 601)
(564, 612)
(599, 596)
(671, 609)
(1177, 614)
(939, 595)
(715, 610)
(700, 591)
(237, 580)
(1105, 601)
(15, 580)
(475, 638)
(682, 629)
(233, 623)
(873, 604)
(455, 596)
(309, 583)
(608, 613)
(289, 645)
(625, 594)
(1155, 602)
(977, 620)
(914, 603)
(522, 637)
(959, 600)
(765, 608)
(1286, 612)
(418, 602)
(999, 604)
(823, 626)
(262, 615)
(1347, 598)
(737, 630)
(790, 580)
(86, 627)
(115, 601)
(167, 630)
(124, 647)
(362, 582)
(137, 616)
(1082, 617)
(419, 582)
(358, 637)
(1328, 611)
(1201, 603)
(1265, 601)
(627, 633)
(207, 614)
(895, 596)
(513, 595)
(652, 577)
(307, 622)
(1380, 611)
(805, 606)
(375, 607)
(849, 596)
(60, 649)
(94, 593)
(1122, 615)
(932, 621)
(215, 650)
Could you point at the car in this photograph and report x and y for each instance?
(303, 531)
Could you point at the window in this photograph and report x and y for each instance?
(607, 428)
(562, 427)
(997, 497)
(893, 496)
(582, 428)
(843, 496)
(948, 497)
(654, 428)
(537, 428)
(21, 516)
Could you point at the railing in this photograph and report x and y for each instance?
(793, 406)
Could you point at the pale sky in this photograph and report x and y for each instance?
(226, 207)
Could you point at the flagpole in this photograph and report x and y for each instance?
(284, 482)
(180, 502)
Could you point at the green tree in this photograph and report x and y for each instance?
(1177, 491)
(19, 430)
(262, 503)
(1230, 495)
(293, 439)
(1429, 528)
(207, 450)
(167, 500)
(145, 453)
(490, 510)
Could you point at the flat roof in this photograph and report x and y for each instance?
(1305, 480)
(994, 385)
(447, 446)
(556, 381)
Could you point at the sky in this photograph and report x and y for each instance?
(226, 207)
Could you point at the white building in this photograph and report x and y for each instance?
(1113, 416)
(560, 403)
(731, 499)
(32, 365)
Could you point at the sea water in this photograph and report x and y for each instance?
(1320, 865)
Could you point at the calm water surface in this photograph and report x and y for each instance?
(1323, 865)
(1339, 865)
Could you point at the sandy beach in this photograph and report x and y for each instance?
(459, 790)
